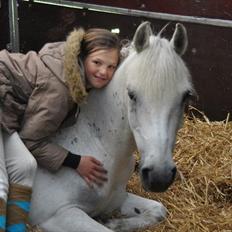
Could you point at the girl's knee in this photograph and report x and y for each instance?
(21, 165)
(27, 167)
(23, 171)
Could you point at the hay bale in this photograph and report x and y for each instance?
(201, 197)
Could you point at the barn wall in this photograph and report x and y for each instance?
(221, 9)
(209, 53)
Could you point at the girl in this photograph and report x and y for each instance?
(38, 92)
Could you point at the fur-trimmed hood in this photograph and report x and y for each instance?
(62, 59)
(73, 73)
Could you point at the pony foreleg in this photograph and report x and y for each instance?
(137, 213)
(72, 220)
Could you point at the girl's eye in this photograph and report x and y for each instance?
(112, 67)
(96, 62)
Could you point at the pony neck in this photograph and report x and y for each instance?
(107, 109)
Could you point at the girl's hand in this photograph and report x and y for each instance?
(92, 171)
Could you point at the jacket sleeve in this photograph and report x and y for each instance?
(47, 107)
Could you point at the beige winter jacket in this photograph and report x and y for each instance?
(37, 93)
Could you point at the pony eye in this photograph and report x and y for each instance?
(132, 95)
(188, 97)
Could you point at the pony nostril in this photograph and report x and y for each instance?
(145, 172)
(173, 172)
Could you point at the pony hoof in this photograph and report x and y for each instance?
(161, 214)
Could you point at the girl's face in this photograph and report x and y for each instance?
(100, 66)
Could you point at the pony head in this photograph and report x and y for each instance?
(158, 87)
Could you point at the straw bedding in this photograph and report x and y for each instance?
(200, 200)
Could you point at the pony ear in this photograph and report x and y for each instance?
(179, 39)
(141, 37)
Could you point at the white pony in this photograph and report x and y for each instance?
(141, 108)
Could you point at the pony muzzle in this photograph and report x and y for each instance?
(157, 180)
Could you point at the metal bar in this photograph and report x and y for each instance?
(138, 13)
(13, 24)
